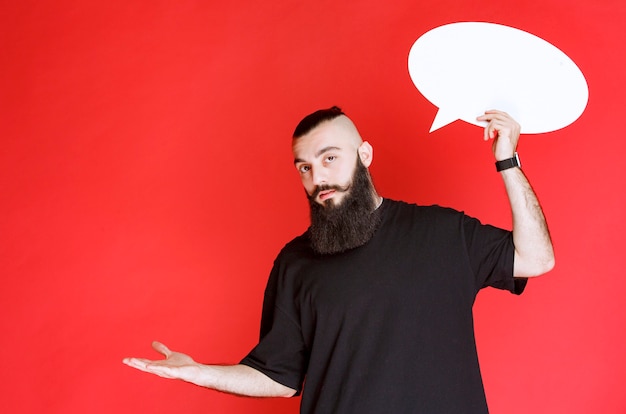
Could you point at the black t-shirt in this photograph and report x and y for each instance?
(386, 327)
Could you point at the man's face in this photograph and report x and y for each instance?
(325, 159)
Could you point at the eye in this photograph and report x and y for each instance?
(303, 169)
(330, 158)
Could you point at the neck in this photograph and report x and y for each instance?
(378, 200)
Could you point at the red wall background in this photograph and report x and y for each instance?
(146, 184)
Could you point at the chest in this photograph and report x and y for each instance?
(383, 282)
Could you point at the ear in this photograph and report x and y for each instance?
(366, 153)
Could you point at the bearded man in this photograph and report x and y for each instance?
(370, 310)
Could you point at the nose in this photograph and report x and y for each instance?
(318, 176)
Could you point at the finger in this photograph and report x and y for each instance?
(151, 367)
(505, 127)
(497, 114)
(491, 131)
(494, 115)
(161, 348)
(484, 118)
(138, 363)
(490, 118)
(494, 131)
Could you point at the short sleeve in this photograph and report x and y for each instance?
(280, 353)
(491, 253)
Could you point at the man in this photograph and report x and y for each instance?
(372, 306)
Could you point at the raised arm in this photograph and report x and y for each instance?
(233, 379)
(534, 254)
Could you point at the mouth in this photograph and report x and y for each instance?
(326, 194)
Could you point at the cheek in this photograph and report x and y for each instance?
(345, 177)
(308, 186)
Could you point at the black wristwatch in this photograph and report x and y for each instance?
(508, 163)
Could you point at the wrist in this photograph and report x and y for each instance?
(507, 163)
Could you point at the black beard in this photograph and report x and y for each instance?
(352, 223)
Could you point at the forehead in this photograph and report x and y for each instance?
(338, 133)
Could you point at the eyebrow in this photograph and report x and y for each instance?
(318, 153)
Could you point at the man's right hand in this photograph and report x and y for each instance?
(176, 365)
(234, 379)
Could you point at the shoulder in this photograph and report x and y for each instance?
(401, 210)
(298, 247)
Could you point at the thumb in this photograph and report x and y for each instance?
(161, 348)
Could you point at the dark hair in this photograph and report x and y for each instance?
(311, 121)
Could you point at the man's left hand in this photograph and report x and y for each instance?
(504, 130)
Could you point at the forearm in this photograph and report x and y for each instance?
(233, 379)
(534, 254)
(240, 380)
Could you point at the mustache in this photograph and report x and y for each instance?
(326, 187)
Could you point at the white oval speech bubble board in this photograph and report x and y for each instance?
(467, 68)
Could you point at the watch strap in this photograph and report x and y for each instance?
(508, 163)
